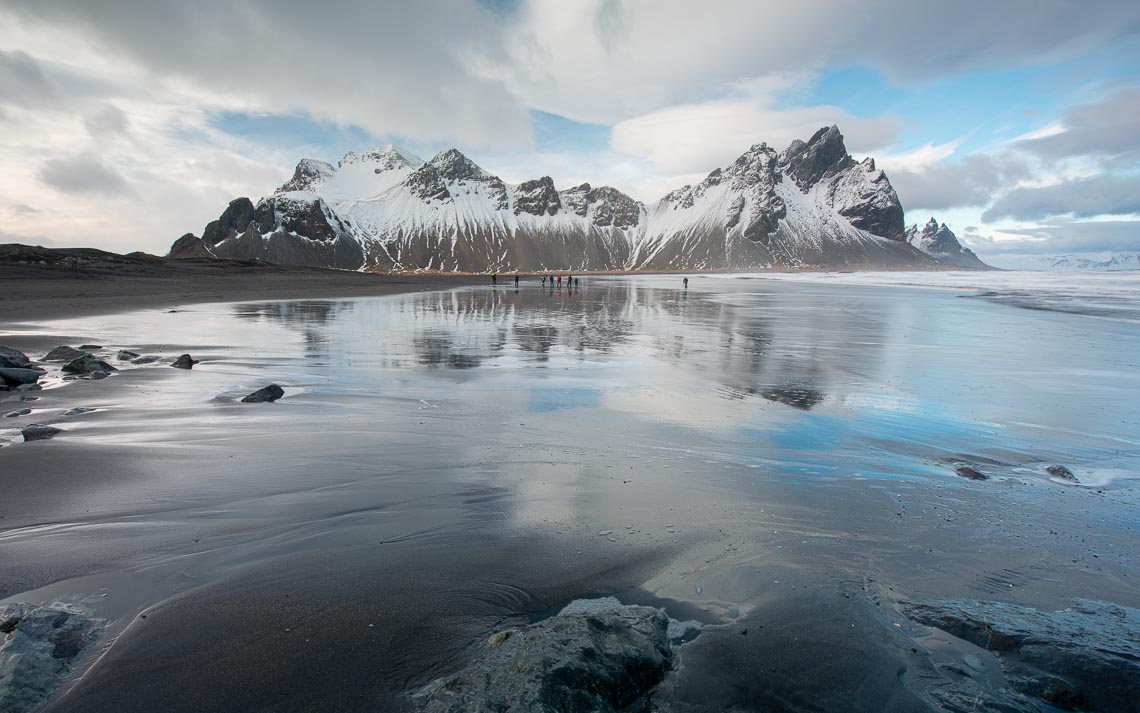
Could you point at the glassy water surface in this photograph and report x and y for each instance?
(700, 447)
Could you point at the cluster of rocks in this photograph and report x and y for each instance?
(38, 646)
(18, 373)
(1059, 472)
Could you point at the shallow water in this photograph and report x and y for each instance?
(446, 462)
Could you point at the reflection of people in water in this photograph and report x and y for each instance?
(685, 282)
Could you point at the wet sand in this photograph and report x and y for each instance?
(759, 455)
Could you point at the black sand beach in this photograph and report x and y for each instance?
(773, 460)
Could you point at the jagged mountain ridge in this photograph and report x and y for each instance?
(811, 205)
(940, 243)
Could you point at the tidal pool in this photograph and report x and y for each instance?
(447, 463)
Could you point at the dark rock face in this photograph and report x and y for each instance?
(234, 219)
(264, 395)
(613, 208)
(13, 358)
(537, 197)
(823, 156)
(87, 364)
(13, 377)
(38, 646)
(189, 246)
(940, 243)
(184, 362)
(869, 202)
(64, 354)
(970, 472)
(39, 432)
(1086, 657)
(601, 661)
(426, 184)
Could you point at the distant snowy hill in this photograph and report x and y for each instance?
(940, 243)
(1103, 261)
(809, 206)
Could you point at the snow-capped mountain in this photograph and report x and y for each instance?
(810, 205)
(940, 243)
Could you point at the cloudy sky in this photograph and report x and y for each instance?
(125, 123)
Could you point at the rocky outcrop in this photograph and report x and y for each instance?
(265, 394)
(87, 364)
(38, 646)
(602, 659)
(39, 432)
(13, 358)
(64, 353)
(811, 205)
(940, 243)
(184, 361)
(286, 229)
(1086, 657)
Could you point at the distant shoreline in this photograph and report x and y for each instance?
(55, 283)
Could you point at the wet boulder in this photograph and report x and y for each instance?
(38, 646)
(970, 472)
(146, 359)
(185, 362)
(1086, 657)
(264, 395)
(125, 355)
(89, 347)
(1060, 471)
(18, 412)
(64, 353)
(13, 376)
(39, 432)
(13, 358)
(87, 364)
(584, 659)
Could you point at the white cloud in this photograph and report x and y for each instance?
(700, 137)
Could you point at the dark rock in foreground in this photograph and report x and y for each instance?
(87, 364)
(38, 646)
(13, 376)
(185, 362)
(38, 432)
(64, 353)
(263, 395)
(13, 358)
(1060, 471)
(125, 355)
(584, 659)
(18, 412)
(1086, 657)
(970, 472)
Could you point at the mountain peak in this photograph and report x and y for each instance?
(452, 165)
(822, 156)
(391, 156)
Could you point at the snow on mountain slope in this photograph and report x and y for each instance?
(940, 243)
(811, 205)
(1080, 262)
